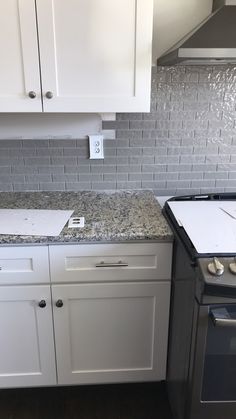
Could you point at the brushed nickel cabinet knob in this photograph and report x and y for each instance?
(32, 95)
(59, 303)
(49, 95)
(42, 303)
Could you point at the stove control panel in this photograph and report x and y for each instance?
(218, 270)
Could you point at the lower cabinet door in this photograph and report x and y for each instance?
(27, 356)
(108, 333)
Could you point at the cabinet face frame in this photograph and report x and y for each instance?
(137, 101)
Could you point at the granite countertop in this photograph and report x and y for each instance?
(114, 216)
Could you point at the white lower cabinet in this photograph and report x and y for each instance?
(27, 356)
(108, 333)
(109, 305)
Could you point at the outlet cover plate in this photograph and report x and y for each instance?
(76, 222)
(96, 147)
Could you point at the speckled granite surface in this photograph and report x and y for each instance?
(114, 216)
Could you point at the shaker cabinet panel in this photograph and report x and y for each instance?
(75, 55)
(95, 55)
(86, 332)
(110, 332)
(19, 57)
(26, 334)
(24, 265)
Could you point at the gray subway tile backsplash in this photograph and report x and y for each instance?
(20, 187)
(37, 178)
(78, 186)
(185, 144)
(51, 186)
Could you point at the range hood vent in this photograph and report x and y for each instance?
(212, 42)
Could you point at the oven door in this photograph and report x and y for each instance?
(213, 369)
(219, 376)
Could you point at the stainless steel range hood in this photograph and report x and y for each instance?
(212, 42)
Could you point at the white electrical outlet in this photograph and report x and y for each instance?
(96, 147)
(76, 222)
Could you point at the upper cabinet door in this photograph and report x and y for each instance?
(19, 57)
(95, 55)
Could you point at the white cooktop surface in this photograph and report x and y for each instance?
(210, 225)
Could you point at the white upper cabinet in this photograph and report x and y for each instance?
(95, 55)
(19, 70)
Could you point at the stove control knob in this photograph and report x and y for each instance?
(216, 268)
(232, 267)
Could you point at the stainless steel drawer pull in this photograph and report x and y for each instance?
(111, 265)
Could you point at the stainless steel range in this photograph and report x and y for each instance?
(201, 373)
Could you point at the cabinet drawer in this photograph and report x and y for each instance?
(110, 262)
(24, 265)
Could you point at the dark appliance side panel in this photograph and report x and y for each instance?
(181, 329)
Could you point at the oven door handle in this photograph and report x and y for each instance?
(221, 317)
(224, 322)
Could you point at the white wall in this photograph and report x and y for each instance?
(173, 19)
(49, 125)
